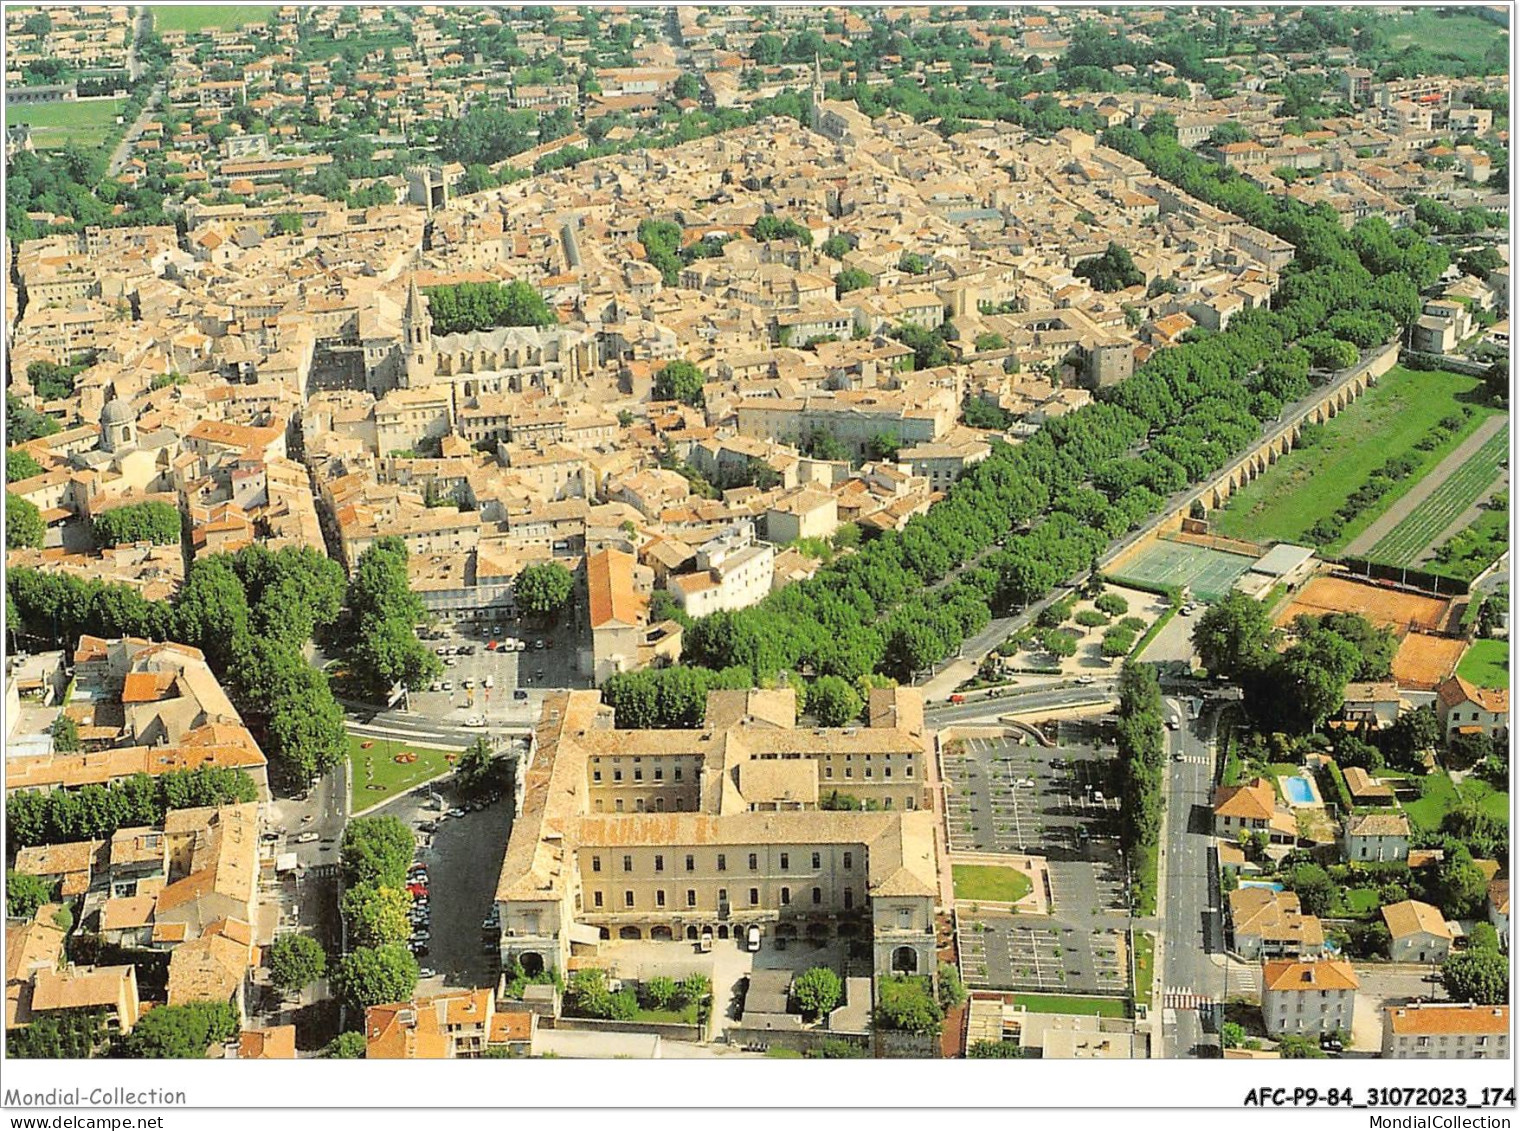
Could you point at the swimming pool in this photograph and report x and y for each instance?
(1298, 790)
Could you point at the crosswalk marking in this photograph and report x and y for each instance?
(1177, 997)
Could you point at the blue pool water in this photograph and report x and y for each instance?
(1261, 884)
(1298, 790)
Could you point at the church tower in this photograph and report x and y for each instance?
(417, 326)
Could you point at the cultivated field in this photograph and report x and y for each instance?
(203, 17)
(1406, 543)
(56, 124)
(1457, 35)
(1311, 483)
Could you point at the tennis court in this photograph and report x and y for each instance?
(1209, 574)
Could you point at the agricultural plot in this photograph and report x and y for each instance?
(1406, 543)
(1311, 483)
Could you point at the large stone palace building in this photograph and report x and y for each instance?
(661, 834)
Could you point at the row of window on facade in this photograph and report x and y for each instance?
(630, 903)
(754, 862)
(828, 772)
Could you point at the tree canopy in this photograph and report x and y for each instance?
(458, 308)
(151, 521)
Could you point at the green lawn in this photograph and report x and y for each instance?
(1445, 505)
(1145, 967)
(994, 883)
(1311, 483)
(1361, 902)
(1437, 797)
(59, 123)
(1486, 663)
(377, 776)
(1493, 802)
(1060, 1003)
(205, 17)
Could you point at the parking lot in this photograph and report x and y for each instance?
(1007, 795)
(530, 671)
(463, 860)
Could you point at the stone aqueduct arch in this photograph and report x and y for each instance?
(1248, 467)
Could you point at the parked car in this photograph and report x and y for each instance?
(489, 682)
(475, 721)
(704, 944)
(468, 682)
(456, 812)
(752, 938)
(308, 837)
(448, 685)
(1084, 680)
(519, 693)
(490, 645)
(415, 889)
(421, 936)
(427, 972)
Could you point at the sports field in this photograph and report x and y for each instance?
(1311, 483)
(1209, 574)
(1392, 608)
(202, 17)
(56, 124)
(1424, 661)
(1405, 543)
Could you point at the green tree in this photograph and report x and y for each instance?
(952, 991)
(151, 521)
(24, 893)
(1233, 1034)
(912, 263)
(543, 589)
(23, 423)
(182, 1032)
(1234, 636)
(375, 975)
(345, 1046)
(1480, 976)
(24, 528)
(1059, 644)
(832, 701)
(295, 961)
(382, 646)
(659, 991)
(463, 307)
(287, 224)
(1114, 270)
(680, 380)
(20, 465)
(817, 991)
(687, 86)
(835, 247)
(377, 915)
(1461, 885)
(850, 279)
(1293, 1046)
(211, 612)
(376, 850)
(905, 1004)
(65, 734)
(71, 1034)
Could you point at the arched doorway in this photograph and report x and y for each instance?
(661, 934)
(905, 960)
(722, 932)
(532, 963)
(818, 930)
(691, 933)
(630, 933)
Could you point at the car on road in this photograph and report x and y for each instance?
(519, 693)
(475, 721)
(1173, 722)
(956, 698)
(308, 837)
(456, 812)
(538, 645)
(539, 674)
(1084, 680)
(752, 938)
(1179, 757)
(421, 936)
(490, 645)
(489, 682)
(427, 972)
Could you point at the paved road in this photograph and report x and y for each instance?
(119, 154)
(141, 27)
(989, 710)
(1422, 490)
(1191, 922)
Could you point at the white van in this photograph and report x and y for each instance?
(752, 939)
